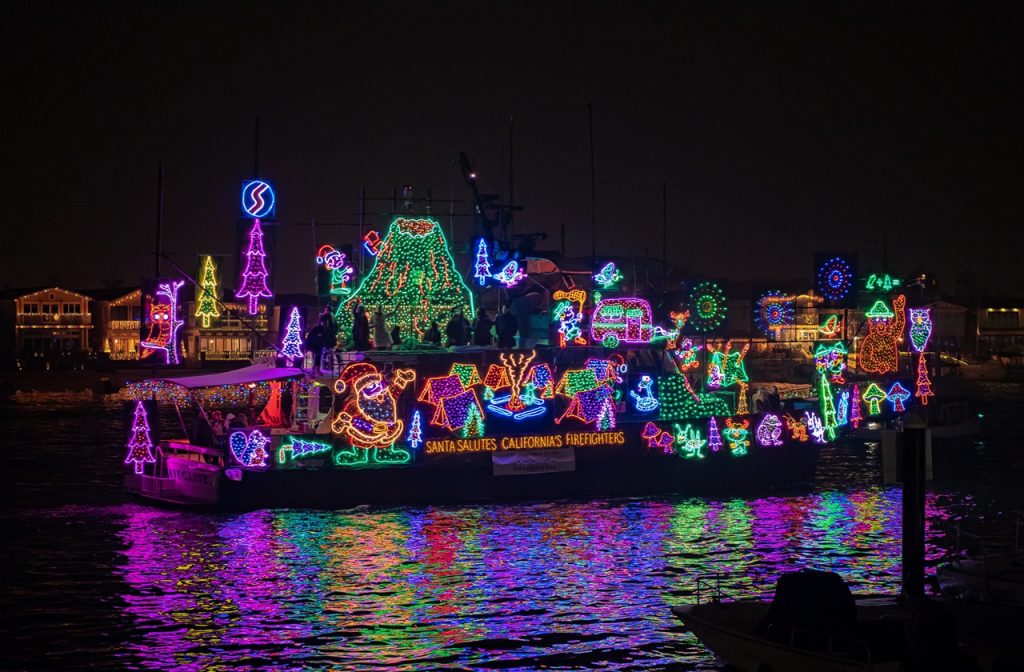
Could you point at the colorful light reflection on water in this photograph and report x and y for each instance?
(564, 584)
(559, 585)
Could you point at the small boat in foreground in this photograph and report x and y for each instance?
(815, 623)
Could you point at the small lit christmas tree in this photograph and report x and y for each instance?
(206, 304)
(415, 436)
(923, 383)
(291, 345)
(714, 436)
(855, 408)
(140, 446)
(483, 263)
(254, 277)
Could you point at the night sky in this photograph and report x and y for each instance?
(778, 133)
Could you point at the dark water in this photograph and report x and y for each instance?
(91, 580)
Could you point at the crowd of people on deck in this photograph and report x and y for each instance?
(370, 330)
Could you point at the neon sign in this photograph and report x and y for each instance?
(529, 442)
(258, 200)
(881, 282)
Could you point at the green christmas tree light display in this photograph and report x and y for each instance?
(413, 280)
(206, 304)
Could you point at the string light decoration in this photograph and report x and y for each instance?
(415, 436)
(735, 434)
(920, 328)
(164, 323)
(517, 373)
(815, 426)
(644, 400)
(897, 396)
(482, 270)
(835, 279)
(229, 396)
(828, 407)
(680, 402)
(830, 361)
(714, 436)
(140, 445)
(291, 344)
(769, 431)
(832, 327)
(542, 380)
(726, 368)
(510, 275)
(299, 449)
(607, 370)
(206, 304)
(254, 275)
(855, 416)
(370, 417)
(456, 408)
(774, 311)
(341, 272)
(879, 351)
(621, 320)
(843, 408)
(657, 438)
(797, 428)
(414, 278)
(707, 306)
(608, 277)
(590, 399)
(577, 296)
(881, 282)
(689, 442)
(923, 385)
(467, 373)
(249, 448)
(874, 395)
(568, 325)
(371, 243)
(687, 355)
(742, 406)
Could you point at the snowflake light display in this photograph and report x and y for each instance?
(774, 311)
(707, 306)
(835, 279)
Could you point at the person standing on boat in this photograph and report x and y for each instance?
(482, 329)
(457, 329)
(433, 334)
(360, 327)
(381, 337)
(507, 327)
(315, 344)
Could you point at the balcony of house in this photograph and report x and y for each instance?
(51, 320)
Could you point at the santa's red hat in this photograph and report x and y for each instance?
(353, 372)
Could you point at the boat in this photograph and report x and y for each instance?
(815, 623)
(610, 398)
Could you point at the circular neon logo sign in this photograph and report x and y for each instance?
(257, 199)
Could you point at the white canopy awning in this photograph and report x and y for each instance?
(257, 373)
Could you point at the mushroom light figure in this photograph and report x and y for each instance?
(874, 396)
(896, 396)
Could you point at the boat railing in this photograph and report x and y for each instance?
(709, 587)
(815, 640)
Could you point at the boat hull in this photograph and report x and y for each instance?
(598, 472)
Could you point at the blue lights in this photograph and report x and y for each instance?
(258, 200)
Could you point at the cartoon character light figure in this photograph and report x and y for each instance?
(164, 323)
(769, 432)
(370, 418)
(510, 275)
(643, 398)
(879, 351)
